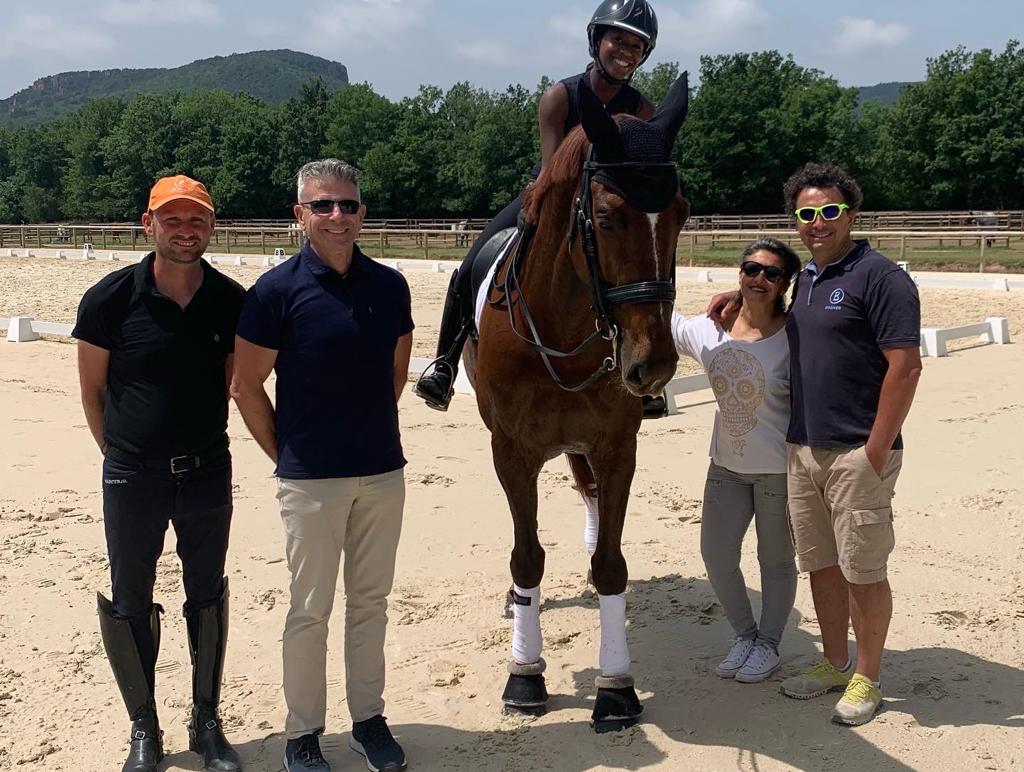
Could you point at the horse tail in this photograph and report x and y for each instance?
(583, 476)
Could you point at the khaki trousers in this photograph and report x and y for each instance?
(360, 518)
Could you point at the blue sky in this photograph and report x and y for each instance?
(398, 44)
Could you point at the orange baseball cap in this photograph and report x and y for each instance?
(169, 189)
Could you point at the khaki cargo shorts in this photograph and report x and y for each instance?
(840, 510)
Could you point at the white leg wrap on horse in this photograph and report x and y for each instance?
(614, 650)
(590, 527)
(526, 639)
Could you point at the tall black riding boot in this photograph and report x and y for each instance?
(132, 646)
(437, 383)
(208, 639)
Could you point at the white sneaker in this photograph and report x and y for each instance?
(730, 666)
(762, 661)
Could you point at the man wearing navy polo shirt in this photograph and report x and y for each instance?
(854, 331)
(336, 328)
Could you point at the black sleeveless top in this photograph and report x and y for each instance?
(628, 100)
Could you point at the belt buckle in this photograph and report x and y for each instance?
(182, 464)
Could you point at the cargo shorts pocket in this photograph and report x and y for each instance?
(870, 540)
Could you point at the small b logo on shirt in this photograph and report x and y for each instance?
(836, 297)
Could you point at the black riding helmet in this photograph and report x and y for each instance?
(634, 16)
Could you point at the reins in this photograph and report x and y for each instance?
(603, 297)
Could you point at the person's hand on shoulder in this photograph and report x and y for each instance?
(724, 306)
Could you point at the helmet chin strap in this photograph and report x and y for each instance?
(608, 78)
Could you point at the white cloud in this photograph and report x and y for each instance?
(152, 13)
(857, 35)
(29, 35)
(487, 53)
(355, 26)
(571, 25)
(707, 24)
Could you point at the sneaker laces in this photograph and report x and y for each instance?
(857, 691)
(759, 656)
(824, 668)
(376, 732)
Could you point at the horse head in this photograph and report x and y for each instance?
(636, 212)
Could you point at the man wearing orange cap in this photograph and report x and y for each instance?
(155, 345)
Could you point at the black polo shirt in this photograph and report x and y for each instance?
(166, 387)
(840, 321)
(335, 337)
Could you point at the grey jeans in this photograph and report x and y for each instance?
(731, 501)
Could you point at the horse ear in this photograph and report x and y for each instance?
(598, 125)
(673, 108)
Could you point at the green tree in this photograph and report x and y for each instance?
(954, 141)
(357, 119)
(754, 120)
(655, 83)
(85, 193)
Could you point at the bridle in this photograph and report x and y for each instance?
(603, 296)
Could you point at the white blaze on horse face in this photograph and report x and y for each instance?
(652, 217)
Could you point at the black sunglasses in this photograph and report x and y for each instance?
(751, 268)
(326, 206)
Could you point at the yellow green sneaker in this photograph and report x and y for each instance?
(859, 702)
(822, 677)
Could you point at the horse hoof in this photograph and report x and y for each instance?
(616, 709)
(525, 694)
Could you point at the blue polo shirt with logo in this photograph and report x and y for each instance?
(840, 321)
(336, 413)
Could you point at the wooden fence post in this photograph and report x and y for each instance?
(381, 236)
(981, 262)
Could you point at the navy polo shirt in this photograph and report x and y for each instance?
(335, 336)
(840, 321)
(166, 382)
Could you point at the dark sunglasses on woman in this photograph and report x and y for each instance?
(752, 268)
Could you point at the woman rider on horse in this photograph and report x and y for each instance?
(622, 34)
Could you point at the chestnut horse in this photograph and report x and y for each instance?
(576, 329)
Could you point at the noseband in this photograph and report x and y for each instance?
(604, 297)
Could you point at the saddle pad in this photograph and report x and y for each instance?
(498, 245)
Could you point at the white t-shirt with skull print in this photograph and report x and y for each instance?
(751, 385)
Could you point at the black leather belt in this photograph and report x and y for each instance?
(174, 464)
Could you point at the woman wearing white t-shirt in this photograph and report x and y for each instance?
(747, 362)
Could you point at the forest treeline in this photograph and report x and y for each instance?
(952, 141)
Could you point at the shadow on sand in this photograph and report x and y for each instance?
(676, 637)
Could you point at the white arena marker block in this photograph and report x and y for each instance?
(114, 256)
(903, 265)
(30, 253)
(398, 266)
(8, 253)
(279, 252)
(1000, 327)
(1001, 284)
(20, 330)
(239, 261)
(704, 277)
(435, 267)
(60, 255)
(265, 262)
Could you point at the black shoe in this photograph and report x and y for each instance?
(303, 755)
(206, 738)
(655, 407)
(437, 387)
(145, 746)
(373, 740)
